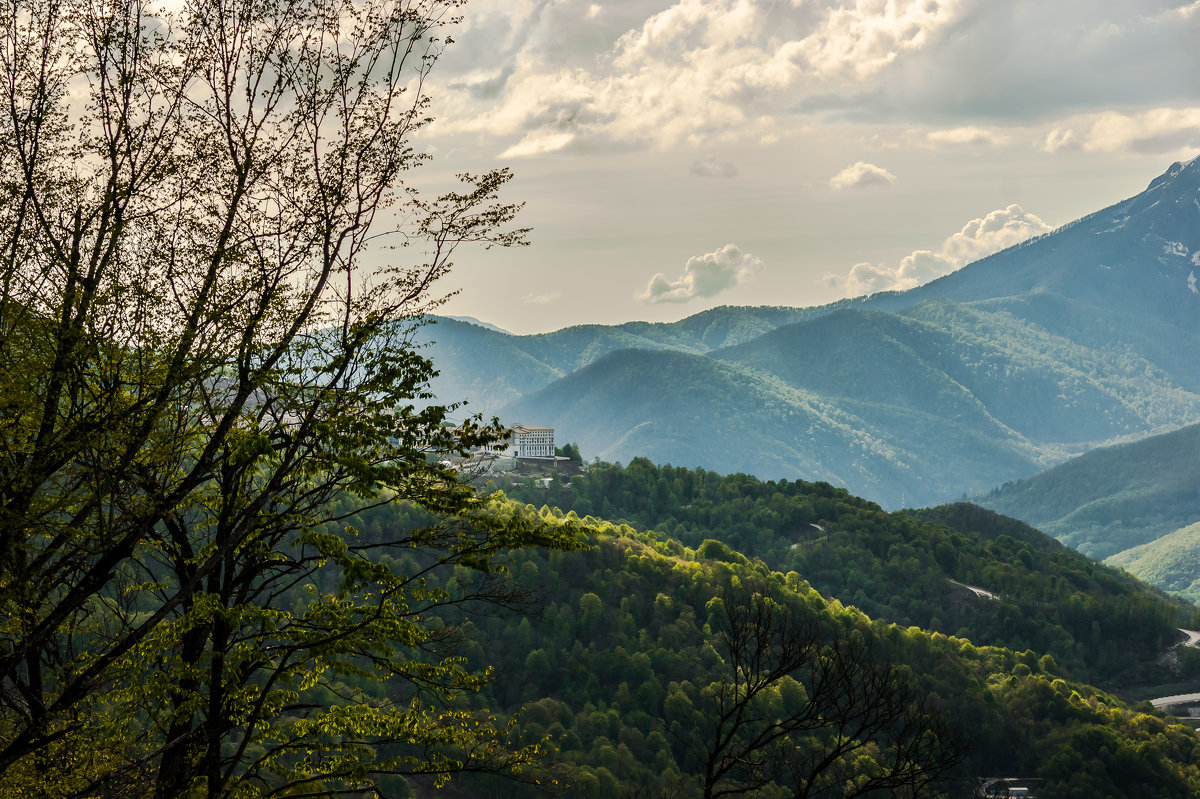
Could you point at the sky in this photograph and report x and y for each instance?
(674, 156)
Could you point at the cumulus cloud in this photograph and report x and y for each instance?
(977, 239)
(860, 40)
(694, 72)
(968, 135)
(709, 167)
(1157, 131)
(860, 175)
(1061, 139)
(703, 276)
(661, 73)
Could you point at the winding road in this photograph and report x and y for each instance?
(1193, 639)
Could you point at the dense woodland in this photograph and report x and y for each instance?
(1099, 624)
(616, 657)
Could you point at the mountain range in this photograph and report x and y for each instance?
(1133, 505)
(1079, 338)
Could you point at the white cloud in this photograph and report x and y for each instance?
(709, 167)
(558, 74)
(859, 41)
(860, 175)
(1061, 139)
(703, 276)
(695, 72)
(968, 135)
(992, 233)
(544, 298)
(1159, 130)
(977, 239)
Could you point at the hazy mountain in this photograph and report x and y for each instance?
(1123, 278)
(471, 320)
(489, 367)
(1114, 498)
(1171, 562)
(636, 402)
(1137, 505)
(1079, 338)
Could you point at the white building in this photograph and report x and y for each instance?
(526, 441)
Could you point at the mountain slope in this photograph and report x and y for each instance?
(1077, 339)
(910, 567)
(692, 410)
(1171, 562)
(488, 367)
(619, 661)
(1111, 499)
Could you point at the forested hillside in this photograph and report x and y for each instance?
(910, 568)
(1112, 499)
(1171, 562)
(622, 657)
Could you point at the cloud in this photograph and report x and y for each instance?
(552, 75)
(709, 167)
(920, 267)
(1061, 139)
(1156, 131)
(968, 135)
(703, 276)
(545, 298)
(994, 232)
(860, 175)
(978, 238)
(693, 72)
(861, 40)
(1027, 63)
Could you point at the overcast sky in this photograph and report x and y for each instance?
(675, 156)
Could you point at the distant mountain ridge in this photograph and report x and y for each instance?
(1083, 336)
(1135, 505)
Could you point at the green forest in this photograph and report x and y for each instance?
(616, 661)
(907, 567)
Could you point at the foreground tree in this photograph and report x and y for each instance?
(812, 708)
(194, 366)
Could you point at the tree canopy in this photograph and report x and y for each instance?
(198, 370)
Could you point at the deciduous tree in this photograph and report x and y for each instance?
(814, 709)
(195, 363)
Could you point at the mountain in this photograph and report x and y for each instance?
(1171, 562)
(1136, 505)
(479, 323)
(636, 402)
(1114, 498)
(1079, 338)
(488, 367)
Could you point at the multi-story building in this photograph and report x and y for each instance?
(527, 441)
